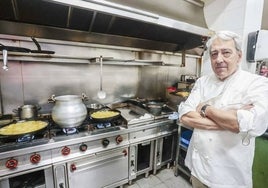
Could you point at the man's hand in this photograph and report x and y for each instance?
(195, 120)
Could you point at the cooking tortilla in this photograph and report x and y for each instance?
(102, 114)
(22, 127)
(183, 93)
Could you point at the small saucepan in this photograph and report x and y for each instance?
(155, 107)
(27, 112)
(93, 107)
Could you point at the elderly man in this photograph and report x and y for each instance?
(227, 110)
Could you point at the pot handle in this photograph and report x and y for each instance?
(51, 99)
(15, 111)
(84, 97)
(38, 107)
(183, 78)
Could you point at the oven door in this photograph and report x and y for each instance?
(103, 169)
(165, 148)
(141, 159)
(35, 178)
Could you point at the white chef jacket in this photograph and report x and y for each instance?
(223, 159)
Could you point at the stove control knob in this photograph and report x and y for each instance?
(72, 167)
(35, 158)
(119, 139)
(125, 152)
(11, 164)
(65, 151)
(105, 142)
(83, 147)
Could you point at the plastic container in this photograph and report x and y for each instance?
(186, 137)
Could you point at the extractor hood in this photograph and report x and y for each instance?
(101, 22)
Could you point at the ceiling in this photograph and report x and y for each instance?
(152, 25)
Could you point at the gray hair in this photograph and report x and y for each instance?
(226, 35)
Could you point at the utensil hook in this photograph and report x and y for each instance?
(36, 43)
(5, 67)
(101, 74)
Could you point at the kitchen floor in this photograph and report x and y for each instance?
(164, 178)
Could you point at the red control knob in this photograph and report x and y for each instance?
(72, 167)
(83, 147)
(12, 163)
(119, 139)
(125, 152)
(65, 151)
(35, 158)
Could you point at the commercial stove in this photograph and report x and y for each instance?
(56, 156)
(90, 154)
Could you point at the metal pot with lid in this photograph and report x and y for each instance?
(69, 111)
(27, 112)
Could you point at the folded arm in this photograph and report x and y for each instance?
(216, 119)
(195, 120)
(226, 119)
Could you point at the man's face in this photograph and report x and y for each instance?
(224, 58)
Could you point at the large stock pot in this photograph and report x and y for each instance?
(68, 111)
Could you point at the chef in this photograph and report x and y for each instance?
(227, 109)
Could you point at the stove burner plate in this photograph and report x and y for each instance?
(69, 131)
(103, 125)
(25, 138)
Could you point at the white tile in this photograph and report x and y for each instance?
(174, 182)
(234, 4)
(134, 185)
(161, 185)
(214, 21)
(149, 182)
(235, 18)
(164, 178)
(214, 7)
(165, 174)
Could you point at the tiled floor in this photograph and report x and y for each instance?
(164, 178)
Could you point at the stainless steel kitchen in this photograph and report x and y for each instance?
(90, 89)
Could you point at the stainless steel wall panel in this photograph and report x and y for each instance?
(35, 79)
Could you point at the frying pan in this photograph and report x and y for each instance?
(108, 119)
(13, 136)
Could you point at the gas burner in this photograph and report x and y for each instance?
(70, 131)
(25, 138)
(103, 125)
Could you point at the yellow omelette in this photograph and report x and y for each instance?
(22, 127)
